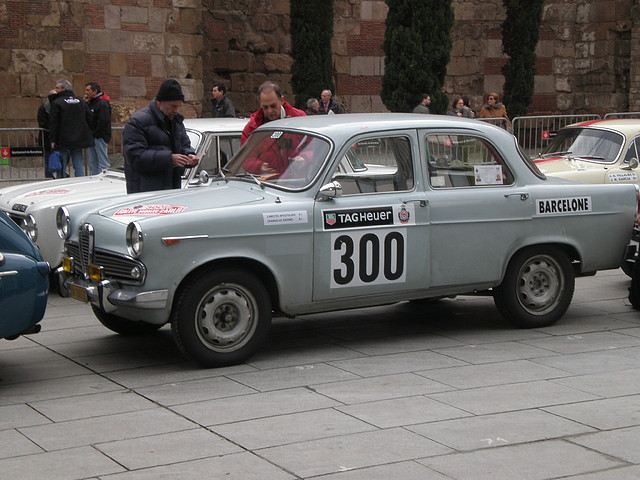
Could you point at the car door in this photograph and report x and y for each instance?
(477, 209)
(373, 239)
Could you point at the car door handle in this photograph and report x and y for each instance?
(8, 273)
(523, 196)
(422, 203)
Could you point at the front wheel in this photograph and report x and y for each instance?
(537, 287)
(122, 325)
(221, 318)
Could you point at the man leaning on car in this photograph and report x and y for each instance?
(156, 146)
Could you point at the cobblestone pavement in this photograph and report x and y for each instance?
(413, 392)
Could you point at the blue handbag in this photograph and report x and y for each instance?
(54, 162)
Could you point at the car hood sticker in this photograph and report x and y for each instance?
(285, 218)
(368, 217)
(159, 209)
(50, 191)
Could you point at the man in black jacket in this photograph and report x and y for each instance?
(221, 106)
(69, 129)
(327, 104)
(156, 146)
(100, 106)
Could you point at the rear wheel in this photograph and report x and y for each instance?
(537, 287)
(123, 326)
(221, 318)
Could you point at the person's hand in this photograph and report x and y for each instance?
(179, 160)
(193, 159)
(265, 169)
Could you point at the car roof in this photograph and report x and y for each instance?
(217, 125)
(623, 125)
(343, 126)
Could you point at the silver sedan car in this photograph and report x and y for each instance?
(335, 212)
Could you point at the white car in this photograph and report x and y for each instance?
(33, 206)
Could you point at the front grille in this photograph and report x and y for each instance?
(87, 237)
(114, 266)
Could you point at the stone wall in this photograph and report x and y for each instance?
(588, 55)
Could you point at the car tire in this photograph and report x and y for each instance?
(123, 326)
(537, 287)
(222, 317)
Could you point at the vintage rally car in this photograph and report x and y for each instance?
(24, 282)
(33, 206)
(334, 212)
(597, 151)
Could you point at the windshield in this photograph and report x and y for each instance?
(586, 143)
(281, 158)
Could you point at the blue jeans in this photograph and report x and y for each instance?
(76, 158)
(98, 157)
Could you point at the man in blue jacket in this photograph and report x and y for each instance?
(156, 146)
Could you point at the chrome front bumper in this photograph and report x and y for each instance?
(108, 295)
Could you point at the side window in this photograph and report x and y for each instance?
(464, 161)
(209, 154)
(228, 146)
(632, 151)
(376, 165)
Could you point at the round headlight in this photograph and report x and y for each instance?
(28, 226)
(134, 239)
(62, 223)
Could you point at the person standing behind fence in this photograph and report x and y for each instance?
(43, 122)
(69, 129)
(423, 106)
(327, 104)
(458, 109)
(495, 109)
(221, 106)
(100, 106)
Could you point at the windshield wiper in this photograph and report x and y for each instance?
(551, 154)
(252, 176)
(590, 157)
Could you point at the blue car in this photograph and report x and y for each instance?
(24, 282)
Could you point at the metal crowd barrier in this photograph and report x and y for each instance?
(23, 159)
(534, 133)
(623, 115)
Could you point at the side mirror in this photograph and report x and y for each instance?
(633, 164)
(2, 260)
(330, 191)
(201, 179)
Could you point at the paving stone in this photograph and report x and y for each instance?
(621, 443)
(108, 428)
(585, 342)
(96, 405)
(75, 463)
(289, 377)
(536, 461)
(240, 466)
(247, 407)
(379, 388)
(307, 355)
(403, 411)
(610, 384)
(13, 444)
(293, 428)
(194, 391)
(20, 415)
(332, 455)
(517, 396)
(167, 448)
(396, 363)
(595, 362)
(403, 470)
(498, 430)
(500, 373)
(495, 352)
(602, 414)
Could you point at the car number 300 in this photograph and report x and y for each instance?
(368, 258)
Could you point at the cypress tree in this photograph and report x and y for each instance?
(417, 46)
(520, 35)
(311, 33)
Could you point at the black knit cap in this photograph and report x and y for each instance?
(170, 90)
